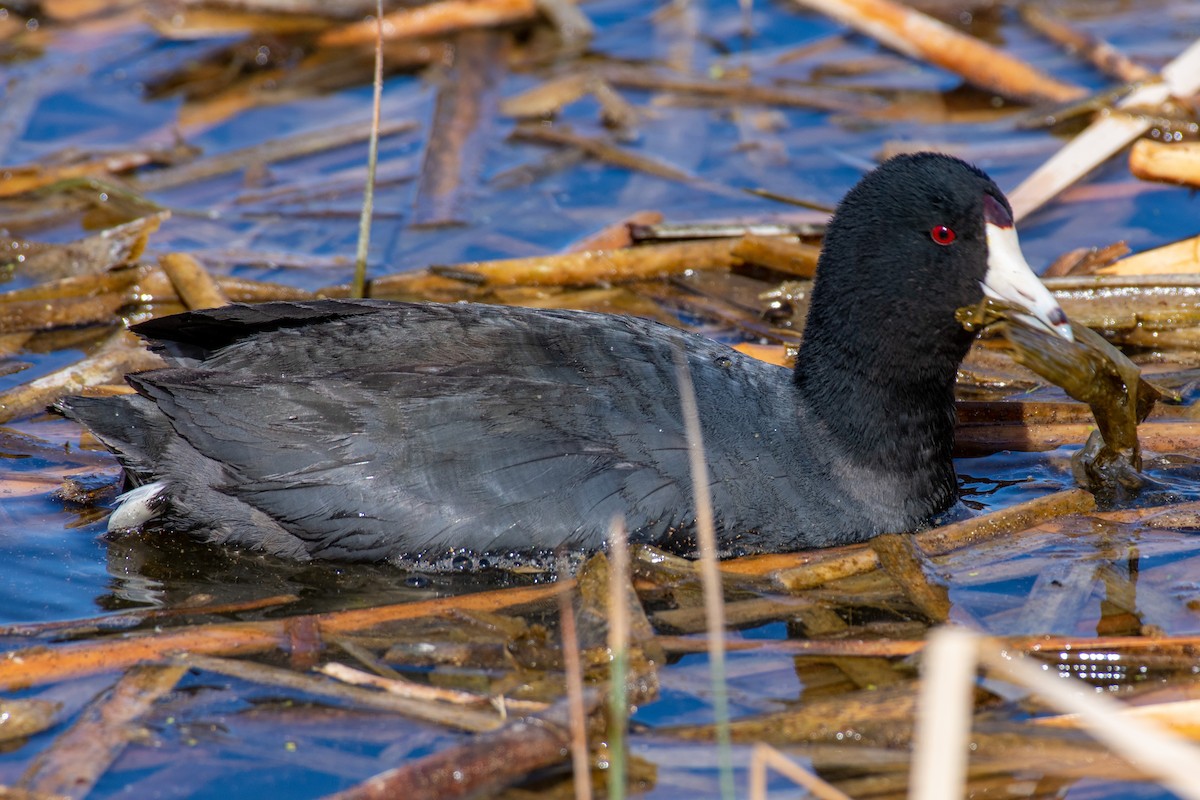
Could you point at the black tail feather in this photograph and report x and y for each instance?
(129, 425)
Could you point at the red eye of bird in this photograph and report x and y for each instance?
(942, 235)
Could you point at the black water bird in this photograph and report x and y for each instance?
(366, 430)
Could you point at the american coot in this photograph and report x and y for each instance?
(366, 430)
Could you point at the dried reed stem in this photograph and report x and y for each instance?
(82, 754)
(1148, 746)
(359, 286)
(922, 37)
(1105, 136)
(763, 756)
(573, 670)
(710, 572)
(1169, 163)
(196, 287)
(944, 707)
(1102, 55)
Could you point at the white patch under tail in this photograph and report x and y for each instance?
(137, 506)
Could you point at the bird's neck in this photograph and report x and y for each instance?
(890, 407)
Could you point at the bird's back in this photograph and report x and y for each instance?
(410, 431)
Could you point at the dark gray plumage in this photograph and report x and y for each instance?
(368, 430)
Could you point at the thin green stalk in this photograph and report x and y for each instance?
(359, 287)
(618, 648)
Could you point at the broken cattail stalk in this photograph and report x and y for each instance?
(1022, 516)
(615, 235)
(422, 286)
(191, 280)
(742, 92)
(693, 619)
(819, 648)
(76, 286)
(130, 618)
(1179, 716)
(1168, 163)
(25, 717)
(31, 177)
(616, 112)
(1180, 258)
(598, 266)
(780, 253)
(548, 97)
(38, 665)
(1086, 260)
(97, 299)
(411, 690)
(114, 247)
(82, 754)
(1105, 136)
(482, 765)
(433, 19)
(1098, 52)
(22, 316)
(194, 22)
(465, 108)
(879, 715)
(674, 232)
(284, 149)
(910, 568)
(1172, 760)
(602, 150)
(763, 756)
(924, 38)
(425, 709)
(122, 353)
(1175, 652)
(944, 710)
(1158, 437)
(573, 26)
